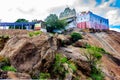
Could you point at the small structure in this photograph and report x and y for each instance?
(40, 25)
(37, 25)
(69, 15)
(88, 20)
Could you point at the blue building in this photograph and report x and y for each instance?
(91, 21)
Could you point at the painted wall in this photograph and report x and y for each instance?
(90, 20)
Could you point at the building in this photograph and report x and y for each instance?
(35, 25)
(91, 21)
(40, 25)
(69, 15)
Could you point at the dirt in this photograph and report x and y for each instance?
(12, 32)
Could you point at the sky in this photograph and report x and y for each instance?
(11, 10)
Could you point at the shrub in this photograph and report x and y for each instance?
(98, 49)
(31, 34)
(72, 66)
(96, 74)
(8, 68)
(94, 54)
(76, 36)
(35, 33)
(44, 76)
(58, 67)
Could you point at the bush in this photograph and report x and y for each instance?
(35, 33)
(8, 68)
(96, 74)
(97, 49)
(76, 36)
(44, 76)
(58, 67)
(94, 54)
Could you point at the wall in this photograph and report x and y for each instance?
(89, 20)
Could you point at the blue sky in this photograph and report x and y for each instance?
(116, 5)
(11, 10)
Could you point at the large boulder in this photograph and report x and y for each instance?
(31, 55)
(80, 43)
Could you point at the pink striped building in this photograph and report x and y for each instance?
(91, 21)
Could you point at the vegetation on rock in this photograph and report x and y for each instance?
(44, 76)
(8, 68)
(93, 55)
(76, 36)
(63, 66)
(35, 33)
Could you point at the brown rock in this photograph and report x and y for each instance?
(31, 55)
(3, 74)
(80, 43)
(17, 76)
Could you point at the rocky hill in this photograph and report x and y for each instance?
(94, 57)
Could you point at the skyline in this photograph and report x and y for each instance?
(11, 10)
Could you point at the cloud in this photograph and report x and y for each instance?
(30, 11)
(37, 9)
(115, 29)
(56, 10)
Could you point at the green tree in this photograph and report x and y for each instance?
(52, 23)
(21, 20)
(19, 27)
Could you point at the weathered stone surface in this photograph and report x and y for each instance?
(80, 43)
(17, 76)
(31, 55)
(13, 75)
(3, 74)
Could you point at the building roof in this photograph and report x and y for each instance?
(17, 23)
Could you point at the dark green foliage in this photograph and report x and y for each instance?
(44, 76)
(76, 36)
(96, 74)
(52, 23)
(8, 68)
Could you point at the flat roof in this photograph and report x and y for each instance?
(17, 23)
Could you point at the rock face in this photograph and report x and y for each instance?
(80, 43)
(13, 75)
(31, 55)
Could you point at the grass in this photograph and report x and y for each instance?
(35, 33)
(44, 76)
(8, 68)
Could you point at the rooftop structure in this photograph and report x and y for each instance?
(67, 13)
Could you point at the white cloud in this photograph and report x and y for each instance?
(39, 9)
(115, 29)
